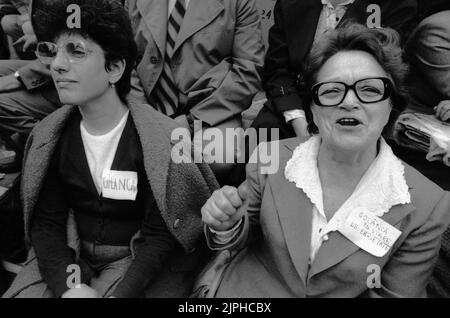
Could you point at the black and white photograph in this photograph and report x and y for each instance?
(224, 153)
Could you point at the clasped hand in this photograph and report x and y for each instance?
(225, 207)
(442, 110)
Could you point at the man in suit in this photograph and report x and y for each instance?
(298, 25)
(210, 70)
(199, 60)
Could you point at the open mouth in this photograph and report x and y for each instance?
(348, 122)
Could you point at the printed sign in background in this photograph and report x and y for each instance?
(265, 8)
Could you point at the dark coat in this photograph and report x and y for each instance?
(180, 190)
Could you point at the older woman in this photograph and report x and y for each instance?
(108, 160)
(342, 217)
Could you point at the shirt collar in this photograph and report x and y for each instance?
(382, 186)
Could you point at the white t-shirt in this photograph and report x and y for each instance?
(101, 150)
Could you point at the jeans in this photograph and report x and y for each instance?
(105, 265)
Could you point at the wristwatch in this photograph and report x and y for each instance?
(17, 76)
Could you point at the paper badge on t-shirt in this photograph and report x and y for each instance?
(369, 232)
(119, 185)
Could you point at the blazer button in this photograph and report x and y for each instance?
(176, 224)
(153, 60)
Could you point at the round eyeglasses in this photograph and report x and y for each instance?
(74, 51)
(368, 90)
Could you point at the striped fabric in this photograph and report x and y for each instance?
(166, 92)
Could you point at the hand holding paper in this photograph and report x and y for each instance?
(426, 133)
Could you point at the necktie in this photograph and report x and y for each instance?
(166, 92)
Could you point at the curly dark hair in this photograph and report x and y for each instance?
(105, 22)
(383, 44)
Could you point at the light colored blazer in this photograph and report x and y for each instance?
(218, 54)
(277, 234)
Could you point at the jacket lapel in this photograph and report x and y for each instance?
(155, 150)
(297, 223)
(175, 201)
(199, 14)
(45, 139)
(154, 14)
(338, 247)
(295, 213)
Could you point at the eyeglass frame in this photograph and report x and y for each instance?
(88, 51)
(388, 88)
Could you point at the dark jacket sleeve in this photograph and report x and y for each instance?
(279, 79)
(21, 5)
(49, 233)
(152, 249)
(35, 74)
(400, 16)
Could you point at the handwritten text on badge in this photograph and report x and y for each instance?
(119, 185)
(370, 232)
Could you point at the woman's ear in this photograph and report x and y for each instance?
(115, 70)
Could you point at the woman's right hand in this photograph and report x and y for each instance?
(223, 209)
(81, 291)
(442, 110)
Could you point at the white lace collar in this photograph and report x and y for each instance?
(381, 187)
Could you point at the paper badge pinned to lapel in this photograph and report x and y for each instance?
(119, 185)
(370, 233)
